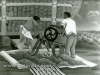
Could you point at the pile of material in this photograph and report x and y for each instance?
(26, 58)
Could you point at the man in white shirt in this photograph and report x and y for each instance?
(69, 26)
(70, 30)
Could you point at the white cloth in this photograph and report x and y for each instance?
(69, 25)
(26, 33)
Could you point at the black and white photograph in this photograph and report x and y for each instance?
(49, 37)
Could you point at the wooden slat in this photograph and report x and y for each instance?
(36, 72)
(46, 70)
(42, 69)
(3, 25)
(53, 73)
(26, 18)
(28, 4)
(58, 73)
(59, 70)
(65, 5)
(41, 72)
(33, 72)
(54, 9)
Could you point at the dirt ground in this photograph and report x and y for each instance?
(93, 56)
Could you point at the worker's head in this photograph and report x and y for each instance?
(67, 15)
(36, 18)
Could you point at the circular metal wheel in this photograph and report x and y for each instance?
(50, 34)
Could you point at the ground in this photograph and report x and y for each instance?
(92, 56)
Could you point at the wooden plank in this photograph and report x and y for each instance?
(3, 25)
(54, 9)
(26, 18)
(15, 51)
(11, 60)
(65, 5)
(28, 4)
(3, 28)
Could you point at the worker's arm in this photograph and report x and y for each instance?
(39, 27)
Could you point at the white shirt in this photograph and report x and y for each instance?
(69, 25)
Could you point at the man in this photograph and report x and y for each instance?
(69, 26)
(25, 32)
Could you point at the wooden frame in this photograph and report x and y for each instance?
(4, 18)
